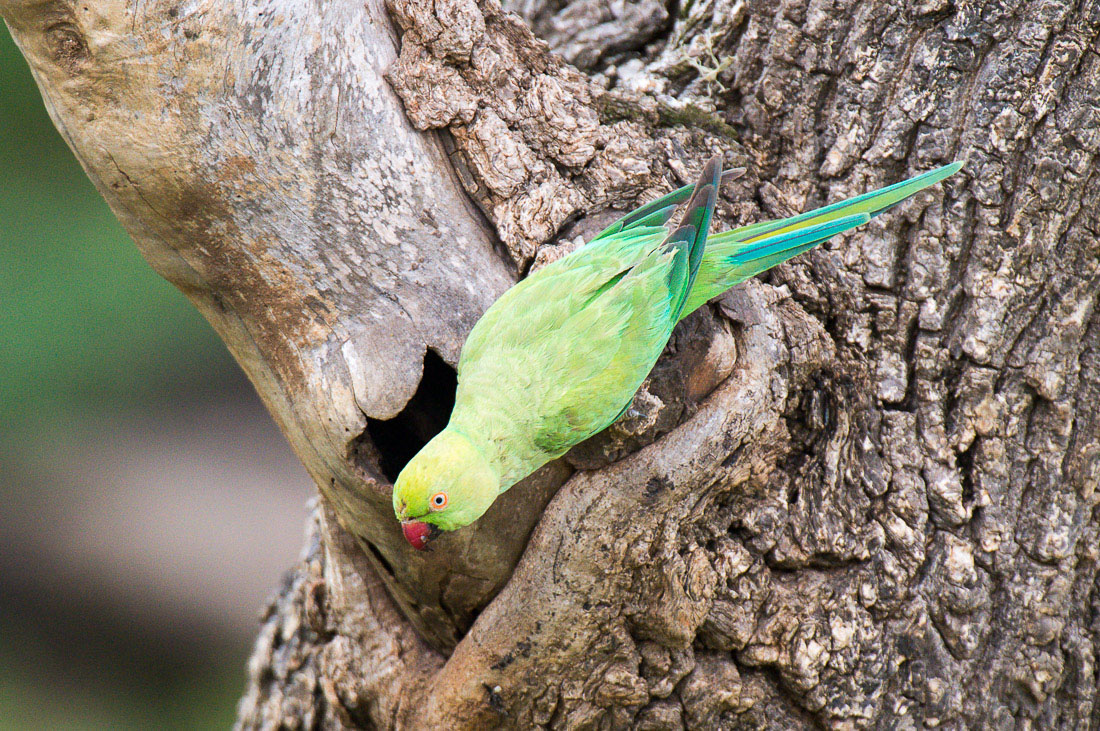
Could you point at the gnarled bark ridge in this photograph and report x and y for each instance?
(861, 492)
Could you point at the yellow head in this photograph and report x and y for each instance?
(447, 485)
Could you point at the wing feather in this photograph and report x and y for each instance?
(555, 359)
(557, 364)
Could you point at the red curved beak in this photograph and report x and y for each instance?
(419, 534)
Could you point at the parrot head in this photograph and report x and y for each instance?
(447, 485)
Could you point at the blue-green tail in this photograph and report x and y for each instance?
(734, 256)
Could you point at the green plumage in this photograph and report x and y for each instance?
(561, 354)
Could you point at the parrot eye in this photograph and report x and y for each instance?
(439, 501)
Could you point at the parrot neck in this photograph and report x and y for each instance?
(510, 458)
(460, 441)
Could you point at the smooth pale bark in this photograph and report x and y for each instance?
(861, 495)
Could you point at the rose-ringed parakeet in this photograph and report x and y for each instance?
(561, 354)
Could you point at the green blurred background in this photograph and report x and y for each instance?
(149, 505)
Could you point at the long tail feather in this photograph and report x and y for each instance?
(733, 256)
(762, 254)
(872, 203)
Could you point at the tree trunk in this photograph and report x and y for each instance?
(860, 494)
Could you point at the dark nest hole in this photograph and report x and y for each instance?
(400, 438)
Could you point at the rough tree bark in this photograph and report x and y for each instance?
(860, 492)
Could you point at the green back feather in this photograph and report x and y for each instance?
(557, 357)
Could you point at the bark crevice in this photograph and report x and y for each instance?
(391, 443)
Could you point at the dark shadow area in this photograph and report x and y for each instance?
(400, 438)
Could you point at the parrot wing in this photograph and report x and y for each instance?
(558, 363)
(557, 358)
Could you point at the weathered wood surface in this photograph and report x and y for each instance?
(862, 494)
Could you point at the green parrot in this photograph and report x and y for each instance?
(561, 354)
